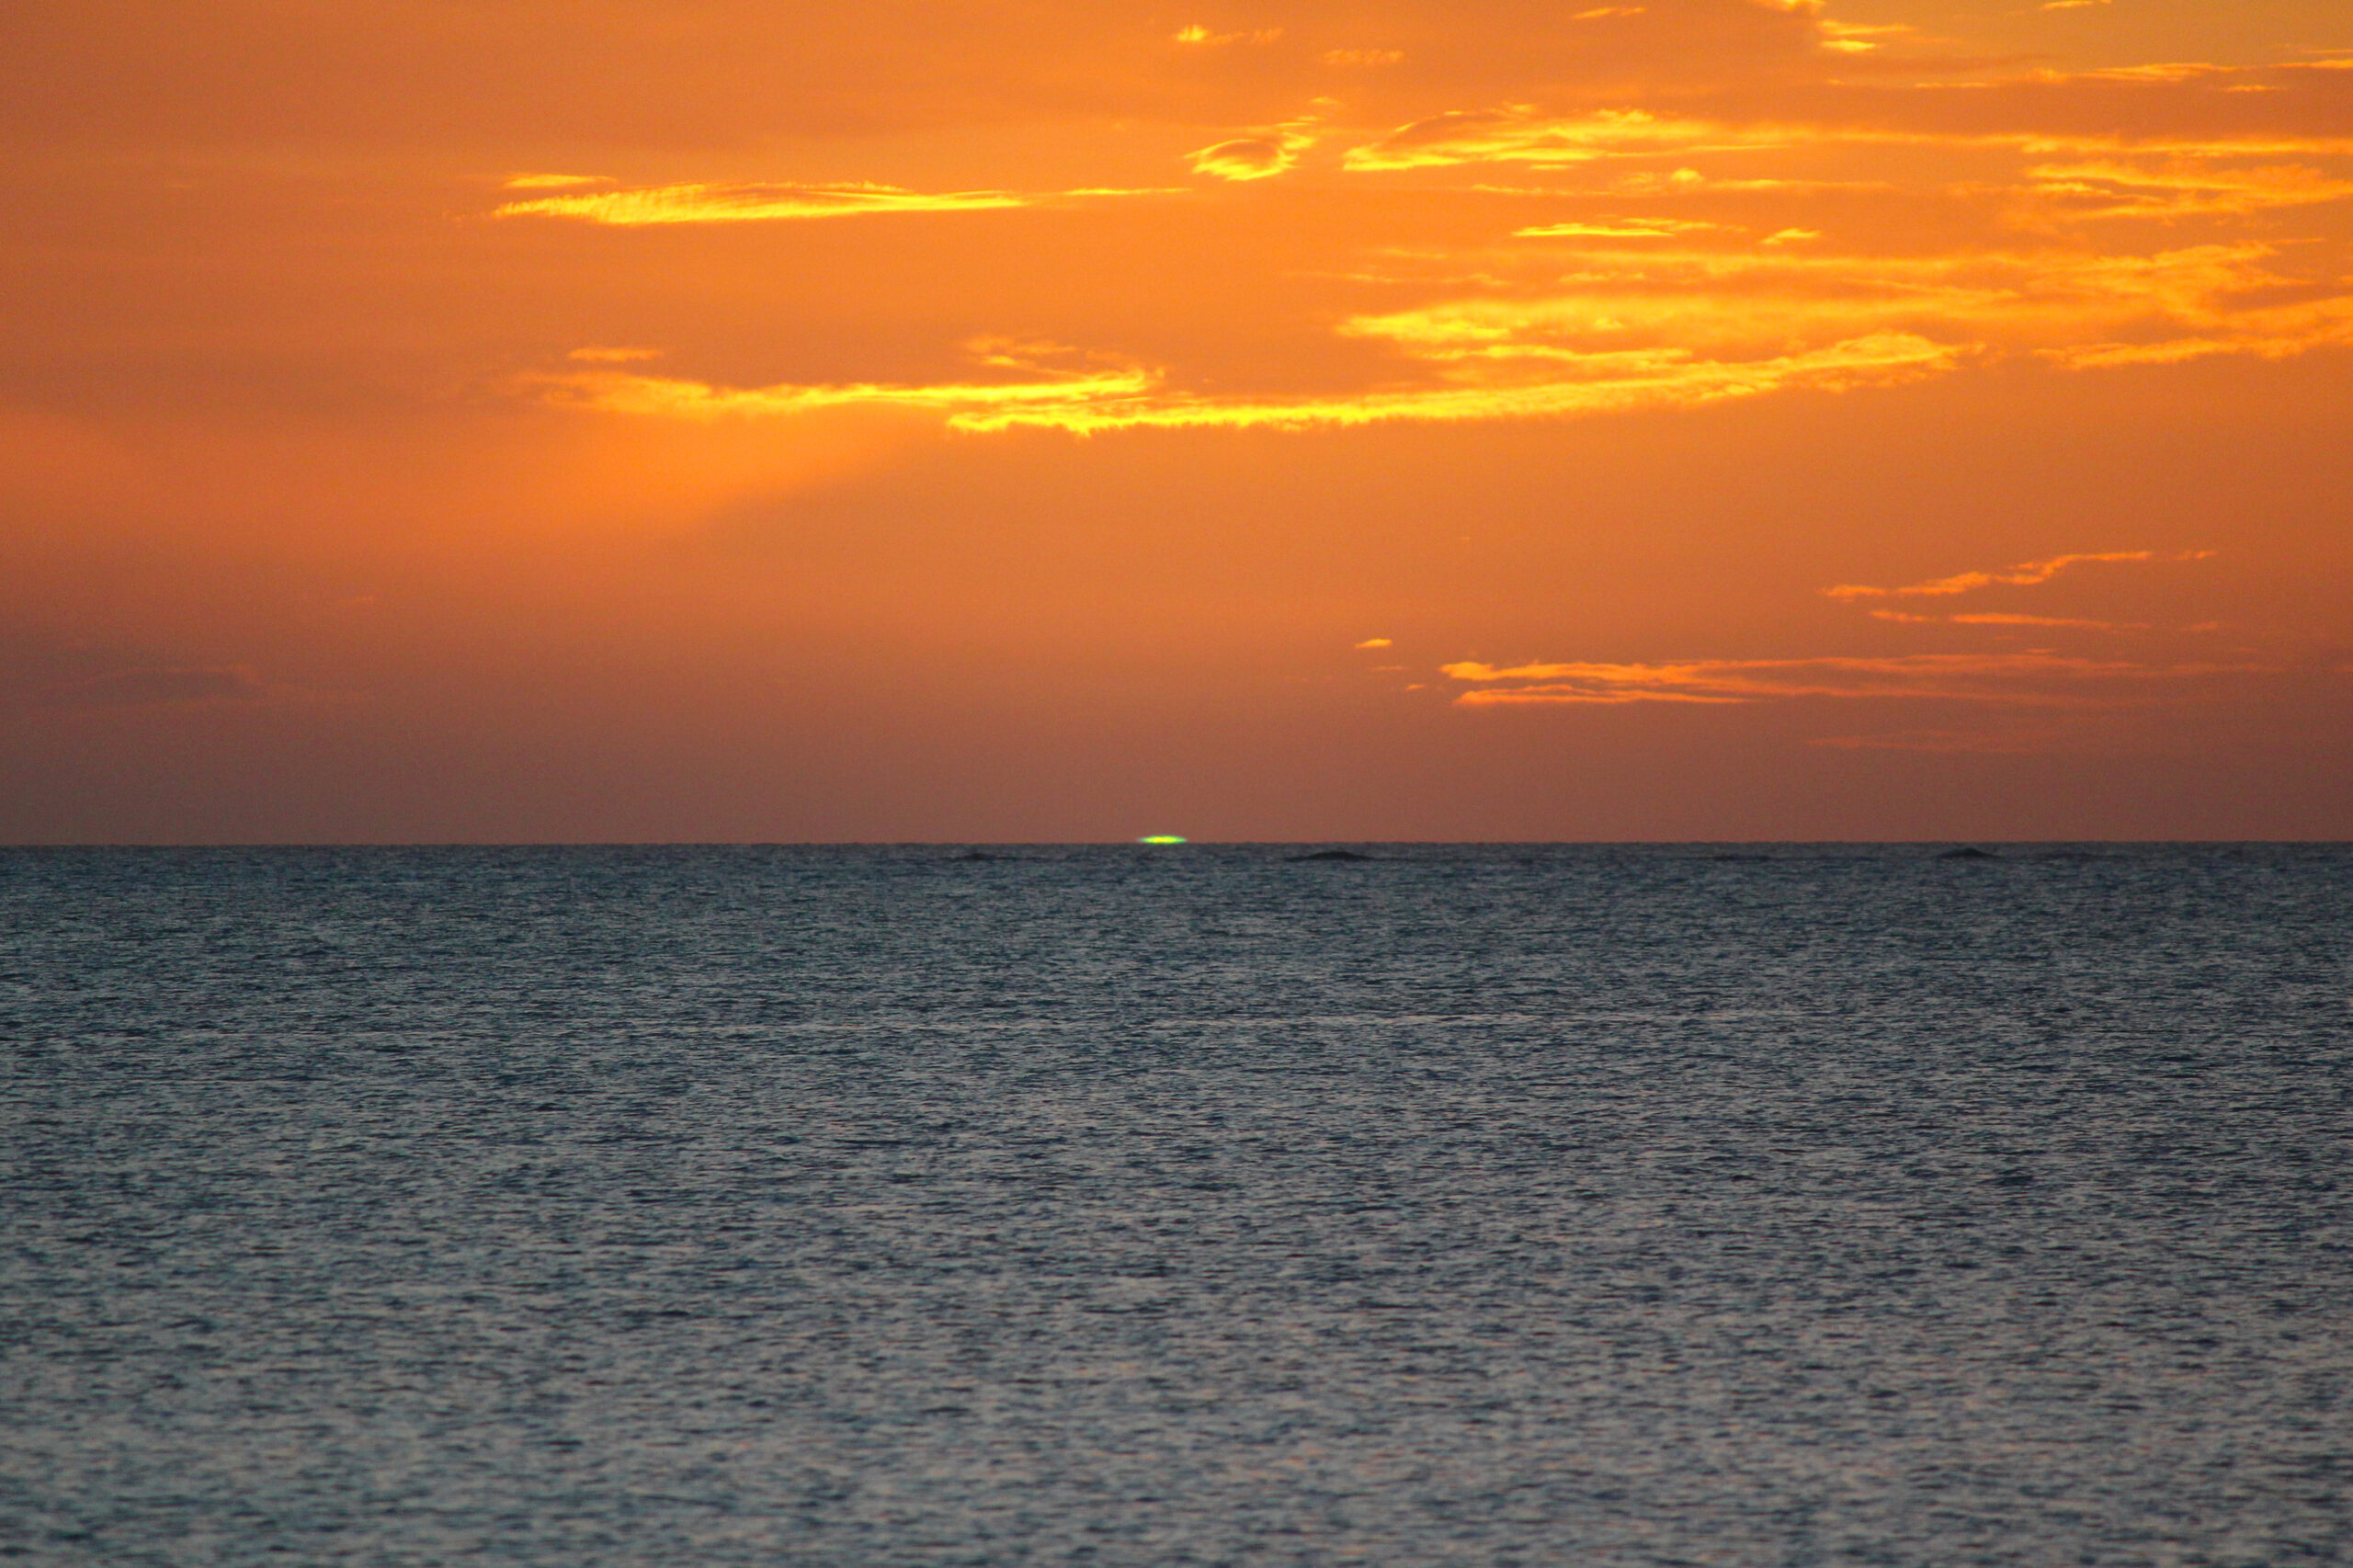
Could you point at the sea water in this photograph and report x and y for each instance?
(1591, 1205)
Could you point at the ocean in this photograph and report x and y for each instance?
(1592, 1206)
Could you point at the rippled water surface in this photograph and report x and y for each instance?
(1590, 1207)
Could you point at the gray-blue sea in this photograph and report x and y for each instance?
(1590, 1206)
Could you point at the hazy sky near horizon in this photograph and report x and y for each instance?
(1026, 419)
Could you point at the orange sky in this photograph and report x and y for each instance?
(977, 420)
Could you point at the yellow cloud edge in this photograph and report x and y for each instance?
(751, 203)
(1136, 398)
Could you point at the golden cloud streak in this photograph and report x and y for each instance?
(2080, 309)
(1998, 618)
(2121, 190)
(614, 392)
(1467, 136)
(1676, 330)
(1522, 136)
(752, 203)
(2032, 680)
(1614, 228)
(1198, 35)
(1134, 398)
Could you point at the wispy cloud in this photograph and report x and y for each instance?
(1047, 378)
(1614, 228)
(1247, 158)
(1134, 397)
(2027, 574)
(1262, 154)
(2276, 332)
(1521, 134)
(752, 203)
(1678, 326)
(1997, 618)
(2028, 679)
(1756, 280)
(2038, 699)
(2180, 190)
(1848, 37)
(1200, 37)
(2078, 307)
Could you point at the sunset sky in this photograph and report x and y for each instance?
(970, 420)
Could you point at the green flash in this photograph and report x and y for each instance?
(1161, 838)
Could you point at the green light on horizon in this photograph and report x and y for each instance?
(1161, 838)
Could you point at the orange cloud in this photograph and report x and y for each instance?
(1614, 228)
(1994, 619)
(1526, 134)
(2083, 697)
(1682, 324)
(1519, 135)
(1247, 157)
(1846, 38)
(1084, 402)
(968, 404)
(2025, 574)
(1675, 329)
(1264, 154)
(752, 203)
(2075, 309)
(2276, 333)
(1201, 36)
(2030, 679)
(2183, 188)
